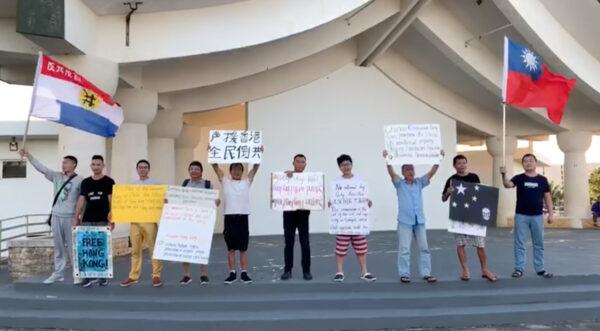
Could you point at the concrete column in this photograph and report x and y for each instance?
(184, 150)
(162, 131)
(507, 197)
(131, 142)
(577, 198)
(105, 75)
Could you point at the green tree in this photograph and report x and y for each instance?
(558, 196)
(595, 184)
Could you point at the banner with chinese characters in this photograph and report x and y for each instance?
(231, 146)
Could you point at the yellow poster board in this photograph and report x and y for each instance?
(137, 203)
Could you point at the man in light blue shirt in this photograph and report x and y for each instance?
(411, 219)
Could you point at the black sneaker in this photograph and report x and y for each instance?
(307, 276)
(203, 280)
(87, 282)
(286, 275)
(368, 277)
(245, 278)
(339, 277)
(185, 280)
(103, 282)
(232, 278)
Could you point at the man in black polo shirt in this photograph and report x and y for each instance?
(533, 191)
(462, 240)
(95, 203)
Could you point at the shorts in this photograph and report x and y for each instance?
(236, 232)
(342, 244)
(465, 239)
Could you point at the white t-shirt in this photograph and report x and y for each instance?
(237, 196)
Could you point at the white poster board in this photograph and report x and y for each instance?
(301, 191)
(185, 233)
(467, 228)
(190, 196)
(413, 143)
(232, 146)
(349, 212)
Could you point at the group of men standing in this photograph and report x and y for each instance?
(87, 202)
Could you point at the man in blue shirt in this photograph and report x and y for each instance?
(411, 219)
(596, 211)
(533, 191)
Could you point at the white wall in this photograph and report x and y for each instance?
(342, 113)
(31, 195)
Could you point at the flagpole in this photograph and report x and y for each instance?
(37, 72)
(503, 134)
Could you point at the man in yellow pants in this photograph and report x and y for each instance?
(140, 233)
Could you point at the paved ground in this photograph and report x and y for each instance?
(568, 252)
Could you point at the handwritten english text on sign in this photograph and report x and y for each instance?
(302, 191)
(349, 212)
(137, 203)
(185, 233)
(413, 143)
(92, 252)
(190, 196)
(230, 146)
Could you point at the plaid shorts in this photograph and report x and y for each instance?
(465, 239)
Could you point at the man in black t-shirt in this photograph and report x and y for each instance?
(95, 203)
(533, 191)
(460, 165)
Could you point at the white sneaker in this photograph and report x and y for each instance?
(54, 278)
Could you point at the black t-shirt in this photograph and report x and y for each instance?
(469, 178)
(530, 194)
(96, 194)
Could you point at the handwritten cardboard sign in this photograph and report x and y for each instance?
(413, 143)
(231, 146)
(349, 213)
(137, 203)
(303, 191)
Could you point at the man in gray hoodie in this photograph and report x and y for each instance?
(62, 211)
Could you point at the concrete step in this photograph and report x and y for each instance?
(316, 306)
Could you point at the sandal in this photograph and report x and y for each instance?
(545, 274)
(517, 274)
(430, 279)
(405, 279)
(491, 277)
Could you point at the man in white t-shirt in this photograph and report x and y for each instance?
(236, 193)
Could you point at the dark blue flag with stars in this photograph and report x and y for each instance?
(473, 203)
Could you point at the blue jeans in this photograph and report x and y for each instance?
(405, 235)
(535, 226)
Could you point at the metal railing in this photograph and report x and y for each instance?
(28, 224)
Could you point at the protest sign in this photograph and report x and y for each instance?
(185, 233)
(92, 252)
(190, 196)
(413, 143)
(473, 203)
(137, 203)
(230, 146)
(467, 228)
(349, 212)
(301, 191)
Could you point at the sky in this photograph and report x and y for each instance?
(15, 101)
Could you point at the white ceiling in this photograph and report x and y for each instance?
(116, 7)
(581, 18)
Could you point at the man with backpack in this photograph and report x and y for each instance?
(67, 185)
(195, 170)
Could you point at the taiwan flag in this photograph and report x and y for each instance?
(62, 95)
(527, 82)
